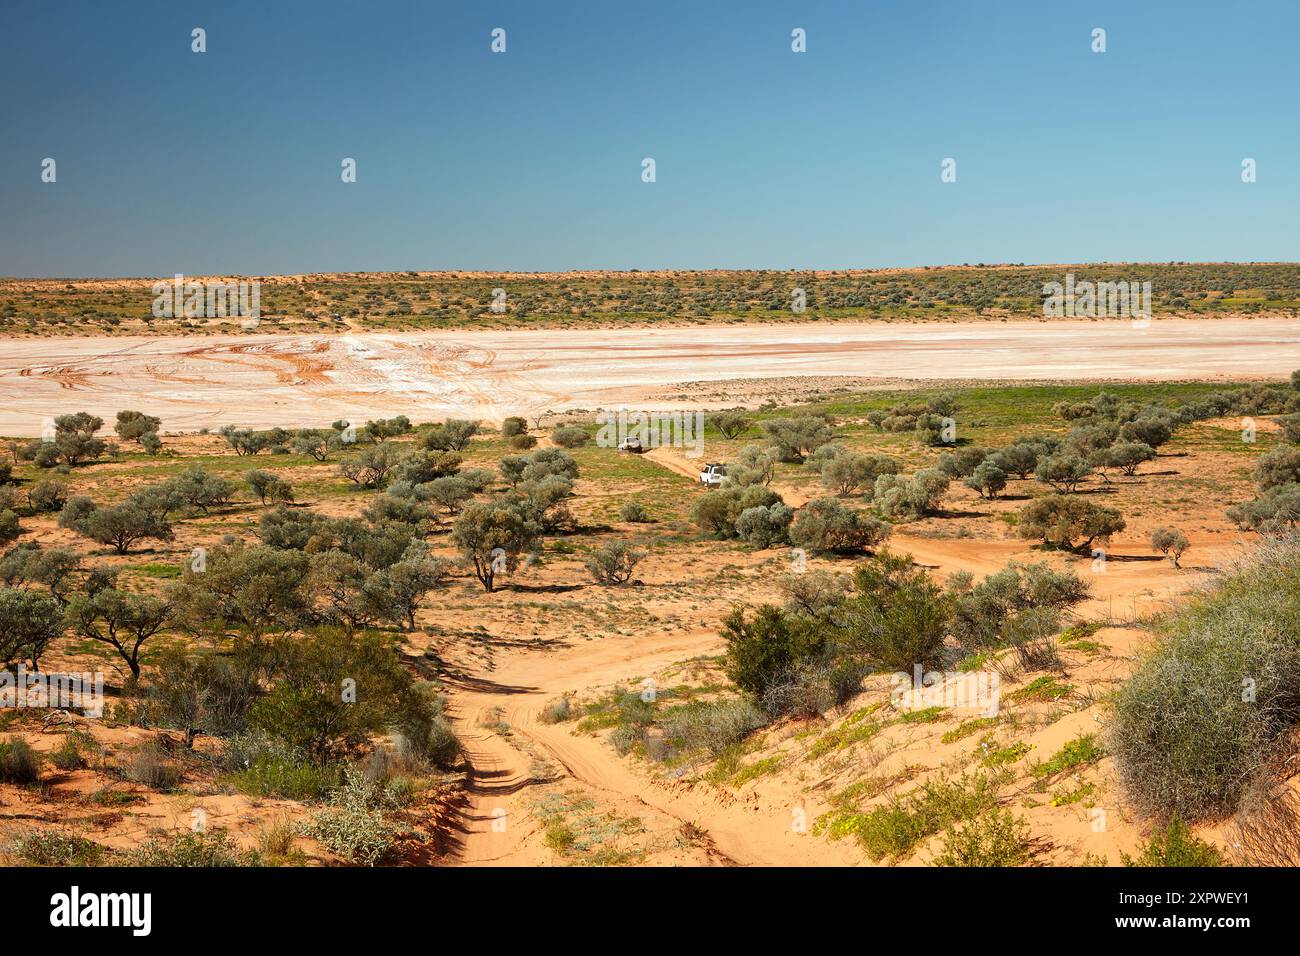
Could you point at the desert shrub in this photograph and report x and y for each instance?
(523, 442)
(712, 726)
(814, 687)
(1170, 542)
(550, 461)
(305, 706)
(625, 737)
(823, 456)
(1205, 710)
(148, 766)
(9, 526)
(825, 524)
(633, 511)
(424, 735)
(73, 442)
(898, 423)
(996, 838)
(985, 614)
(987, 479)
(897, 616)
(385, 428)
(763, 649)
(201, 693)
(935, 429)
(796, 438)
(121, 619)
(717, 512)
(614, 563)
(846, 473)
(897, 497)
(151, 443)
(764, 527)
(545, 502)
(1281, 466)
(263, 766)
(203, 490)
(253, 589)
(513, 425)
(353, 825)
(557, 711)
(1274, 512)
(815, 594)
(421, 467)
(68, 756)
(897, 827)
(962, 462)
(1147, 430)
(19, 763)
(54, 848)
(1175, 846)
(1020, 458)
(452, 435)
(570, 436)
(192, 849)
(1068, 522)
(395, 592)
(1266, 830)
(450, 493)
(47, 495)
(755, 465)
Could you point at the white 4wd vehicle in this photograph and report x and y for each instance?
(712, 475)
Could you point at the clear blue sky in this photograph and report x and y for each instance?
(229, 161)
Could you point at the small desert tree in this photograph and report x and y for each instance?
(730, 424)
(452, 435)
(614, 563)
(122, 525)
(269, 487)
(1128, 455)
(133, 426)
(121, 619)
(846, 473)
(1170, 542)
(492, 536)
(987, 479)
(1063, 471)
(1068, 522)
(29, 621)
(796, 438)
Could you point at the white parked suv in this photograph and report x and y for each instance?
(712, 475)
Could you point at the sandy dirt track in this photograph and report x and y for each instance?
(296, 380)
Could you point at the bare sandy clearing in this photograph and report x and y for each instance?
(295, 380)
